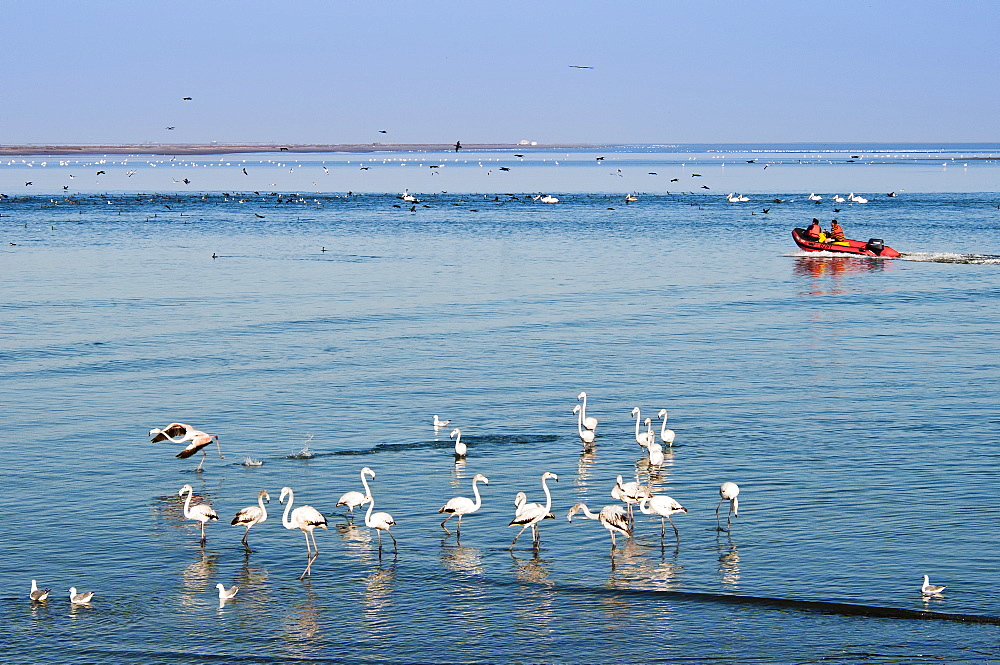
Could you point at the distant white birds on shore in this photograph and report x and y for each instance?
(354, 499)
(379, 521)
(199, 440)
(613, 518)
(460, 448)
(929, 589)
(306, 519)
(200, 512)
(588, 422)
(37, 594)
(81, 598)
(530, 514)
(461, 505)
(252, 515)
(729, 492)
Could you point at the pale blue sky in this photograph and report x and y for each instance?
(337, 72)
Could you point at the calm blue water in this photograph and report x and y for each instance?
(853, 400)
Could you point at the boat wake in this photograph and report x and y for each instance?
(948, 257)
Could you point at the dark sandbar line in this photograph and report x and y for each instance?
(235, 148)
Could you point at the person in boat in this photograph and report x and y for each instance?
(837, 233)
(815, 231)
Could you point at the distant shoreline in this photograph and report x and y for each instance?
(237, 148)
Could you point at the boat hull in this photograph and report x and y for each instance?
(873, 247)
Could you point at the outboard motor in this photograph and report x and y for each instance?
(875, 246)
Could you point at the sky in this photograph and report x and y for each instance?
(438, 71)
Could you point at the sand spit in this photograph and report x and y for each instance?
(231, 148)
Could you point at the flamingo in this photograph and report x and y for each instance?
(199, 440)
(586, 435)
(630, 493)
(666, 435)
(655, 451)
(589, 422)
(929, 589)
(530, 514)
(664, 506)
(252, 515)
(640, 437)
(200, 512)
(461, 505)
(378, 521)
(460, 448)
(37, 594)
(354, 498)
(81, 598)
(438, 423)
(612, 518)
(729, 492)
(226, 594)
(304, 518)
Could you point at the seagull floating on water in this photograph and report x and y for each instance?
(82, 598)
(226, 594)
(37, 594)
(929, 589)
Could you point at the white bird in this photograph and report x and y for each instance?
(461, 505)
(438, 423)
(530, 514)
(252, 515)
(548, 198)
(586, 435)
(729, 492)
(226, 594)
(460, 448)
(37, 594)
(199, 440)
(640, 437)
(655, 451)
(354, 499)
(304, 518)
(813, 197)
(589, 422)
(81, 598)
(856, 199)
(631, 197)
(612, 518)
(630, 493)
(929, 589)
(664, 506)
(200, 512)
(666, 435)
(837, 198)
(378, 521)
(409, 198)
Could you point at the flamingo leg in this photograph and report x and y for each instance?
(203, 456)
(315, 546)
(459, 529)
(203, 533)
(445, 520)
(393, 540)
(718, 525)
(677, 533)
(518, 535)
(246, 545)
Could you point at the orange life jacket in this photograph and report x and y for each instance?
(814, 230)
(837, 232)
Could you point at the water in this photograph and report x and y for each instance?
(853, 400)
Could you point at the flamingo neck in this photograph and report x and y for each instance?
(583, 409)
(548, 496)
(263, 510)
(371, 500)
(187, 504)
(637, 415)
(475, 491)
(285, 519)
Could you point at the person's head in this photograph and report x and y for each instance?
(815, 220)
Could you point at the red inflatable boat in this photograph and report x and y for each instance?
(874, 246)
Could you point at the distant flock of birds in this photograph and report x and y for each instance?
(616, 519)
